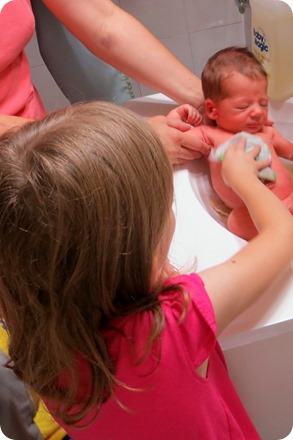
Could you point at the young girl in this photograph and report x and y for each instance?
(235, 89)
(117, 343)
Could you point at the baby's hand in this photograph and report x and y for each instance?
(240, 167)
(186, 113)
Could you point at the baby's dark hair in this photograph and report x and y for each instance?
(223, 63)
(85, 195)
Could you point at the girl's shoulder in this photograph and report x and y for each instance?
(188, 288)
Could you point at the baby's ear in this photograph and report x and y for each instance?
(211, 109)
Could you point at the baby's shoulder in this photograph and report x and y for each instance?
(267, 134)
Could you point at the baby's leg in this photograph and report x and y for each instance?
(239, 223)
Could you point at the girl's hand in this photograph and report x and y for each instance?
(239, 167)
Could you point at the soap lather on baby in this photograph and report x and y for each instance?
(235, 89)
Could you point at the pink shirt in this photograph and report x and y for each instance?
(176, 403)
(18, 96)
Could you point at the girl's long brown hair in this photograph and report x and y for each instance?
(84, 198)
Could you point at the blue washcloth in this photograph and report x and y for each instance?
(251, 140)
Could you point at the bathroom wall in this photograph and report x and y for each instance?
(191, 29)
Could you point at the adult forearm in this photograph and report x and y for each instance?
(146, 60)
(122, 41)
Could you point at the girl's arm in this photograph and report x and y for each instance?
(235, 284)
(119, 39)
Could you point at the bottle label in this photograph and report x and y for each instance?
(260, 48)
(259, 39)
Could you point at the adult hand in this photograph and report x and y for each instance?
(171, 132)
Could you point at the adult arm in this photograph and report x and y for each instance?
(234, 285)
(7, 122)
(80, 75)
(122, 41)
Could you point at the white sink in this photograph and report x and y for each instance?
(258, 345)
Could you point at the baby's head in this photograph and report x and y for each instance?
(235, 86)
(85, 195)
(224, 64)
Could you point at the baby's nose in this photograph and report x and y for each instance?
(256, 111)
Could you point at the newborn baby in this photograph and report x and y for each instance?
(235, 89)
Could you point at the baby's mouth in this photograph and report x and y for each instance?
(255, 126)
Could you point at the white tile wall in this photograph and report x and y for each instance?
(201, 15)
(191, 29)
(164, 18)
(213, 39)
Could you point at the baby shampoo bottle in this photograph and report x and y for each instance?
(272, 44)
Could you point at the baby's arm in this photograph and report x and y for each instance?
(282, 146)
(186, 113)
(196, 135)
(235, 284)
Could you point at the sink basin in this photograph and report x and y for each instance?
(201, 184)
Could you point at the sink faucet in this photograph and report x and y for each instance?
(242, 5)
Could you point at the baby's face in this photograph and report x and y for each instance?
(245, 107)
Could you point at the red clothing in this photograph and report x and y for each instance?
(176, 403)
(18, 97)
